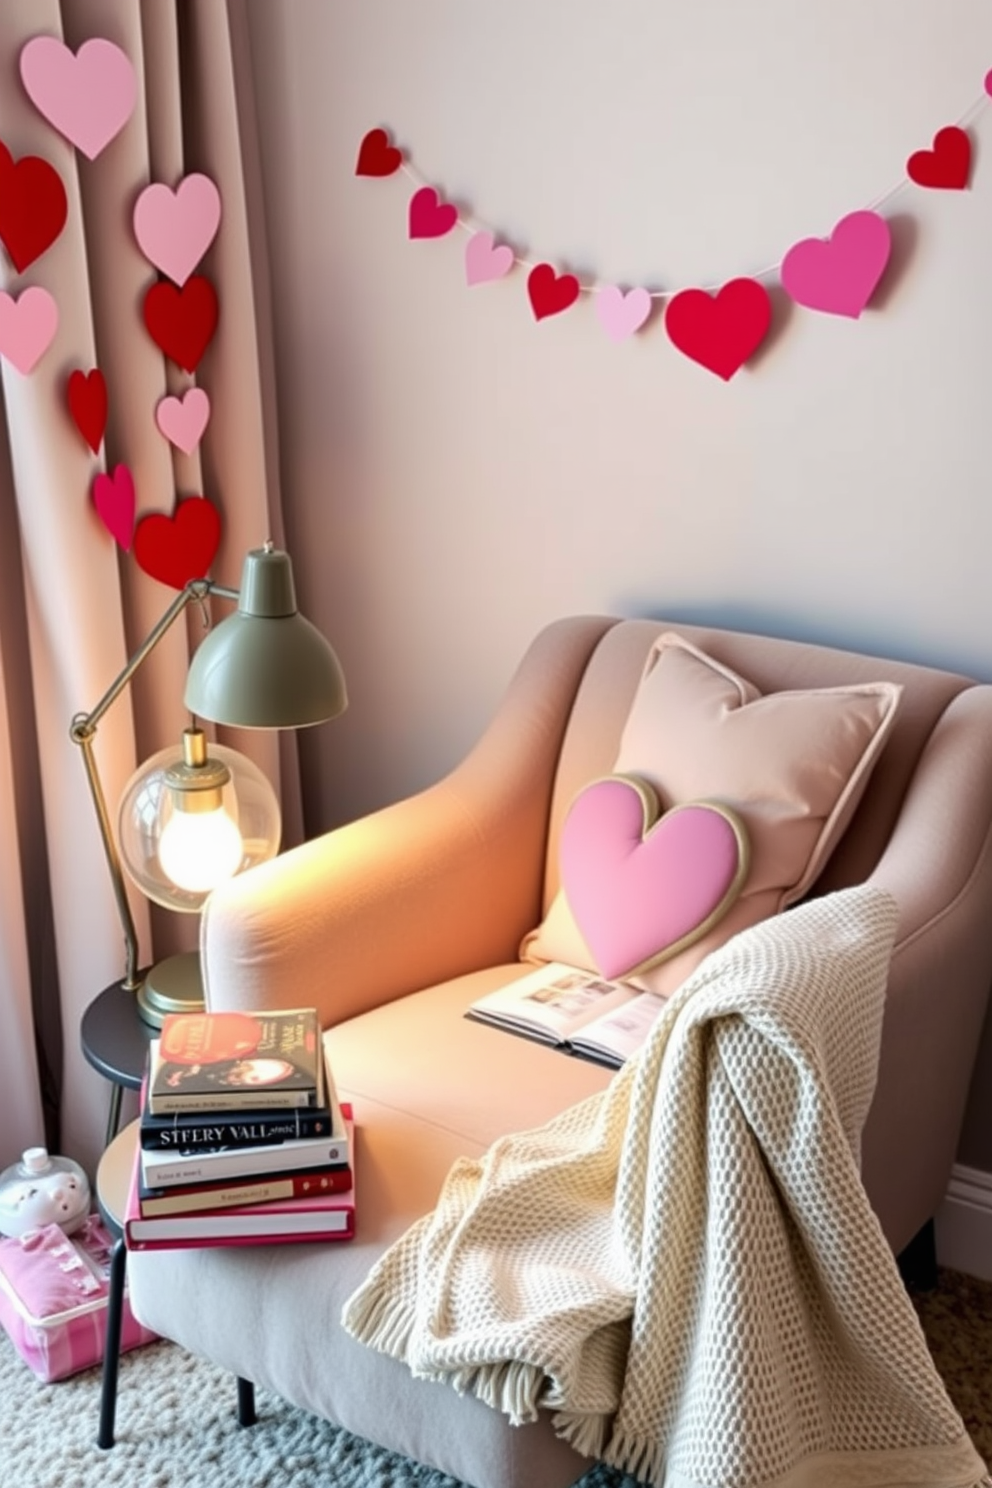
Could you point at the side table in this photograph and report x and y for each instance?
(113, 1181)
(114, 1038)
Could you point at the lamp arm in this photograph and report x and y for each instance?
(82, 731)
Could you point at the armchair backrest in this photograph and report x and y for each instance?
(610, 680)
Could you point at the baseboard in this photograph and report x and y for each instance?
(964, 1223)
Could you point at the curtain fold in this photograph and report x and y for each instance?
(85, 604)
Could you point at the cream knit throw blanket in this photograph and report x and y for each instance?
(685, 1268)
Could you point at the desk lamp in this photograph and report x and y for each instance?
(190, 818)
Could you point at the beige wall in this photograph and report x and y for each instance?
(458, 474)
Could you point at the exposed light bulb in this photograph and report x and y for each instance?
(200, 849)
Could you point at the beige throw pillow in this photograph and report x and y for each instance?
(792, 765)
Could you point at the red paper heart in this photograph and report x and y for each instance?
(33, 206)
(720, 331)
(182, 321)
(177, 549)
(947, 164)
(87, 395)
(430, 217)
(376, 156)
(550, 292)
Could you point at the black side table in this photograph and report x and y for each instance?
(115, 1042)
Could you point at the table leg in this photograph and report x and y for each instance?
(112, 1345)
(114, 1115)
(246, 1402)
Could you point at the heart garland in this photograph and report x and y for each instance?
(720, 328)
(88, 97)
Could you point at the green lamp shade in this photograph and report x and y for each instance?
(266, 666)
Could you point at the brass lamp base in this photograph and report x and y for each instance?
(171, 986)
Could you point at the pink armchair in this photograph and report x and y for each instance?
(394, 924)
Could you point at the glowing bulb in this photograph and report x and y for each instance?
(200, 849)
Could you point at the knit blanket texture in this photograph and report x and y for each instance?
(685, 1269)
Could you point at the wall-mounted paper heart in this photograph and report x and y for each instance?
(484, 261)
(643, 888)
(174, 229)
(838, 275)
(33, 206)
(88, 96)
(550, 292)
(182, 321)
(430, 217)
(621, 314)
(87, 398)
(183, 420)
(113, 497)
(720, 331)
(376, 156)
(27, 326)
(946, 165)
(177, 549)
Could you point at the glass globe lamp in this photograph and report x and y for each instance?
(186, 823)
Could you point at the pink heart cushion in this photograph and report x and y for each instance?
(642, 889)
(791, 765)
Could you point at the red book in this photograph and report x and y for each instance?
(321, 1216)
(190, 1198)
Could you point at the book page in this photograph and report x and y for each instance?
(553, 1002)
(618, 1034)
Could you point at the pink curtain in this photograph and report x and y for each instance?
(73, 603)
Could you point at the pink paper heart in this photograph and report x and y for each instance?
(27, 326)
(640, 889)
(183, 420)
(174, 229)
(87, 96)
(430, 217)
(621, 314)
(838, 274)
(113, 497)
(484, 262)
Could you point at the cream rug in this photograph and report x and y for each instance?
(176, 1425)
(176, 1428)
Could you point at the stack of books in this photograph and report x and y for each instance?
(242, 1137)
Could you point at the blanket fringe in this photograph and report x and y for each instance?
(643, 1458)
(586, 1433)
(379, 1321)
(512, 1387)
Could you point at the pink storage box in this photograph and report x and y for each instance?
(53, 1299)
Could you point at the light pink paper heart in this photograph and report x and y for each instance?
(621, 314)
(113, 497)
(641, 892)
(88, 96)
(183, 420)
(838, 274)
(27, 326)
(484, 261)
(174, 229)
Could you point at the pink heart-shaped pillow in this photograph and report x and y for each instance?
(642, 888)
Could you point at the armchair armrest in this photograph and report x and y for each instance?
(938, 865)
(440, 884)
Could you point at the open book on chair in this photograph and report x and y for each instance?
(577, 1011)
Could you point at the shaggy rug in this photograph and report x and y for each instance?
(176, 1425)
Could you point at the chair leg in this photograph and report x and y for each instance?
(246, 1403)
(918, 1261)
(112, 1345)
